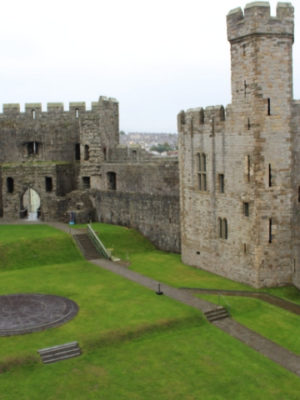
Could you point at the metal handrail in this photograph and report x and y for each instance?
(98, 244)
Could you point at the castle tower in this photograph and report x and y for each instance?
(262, 93)
(247, 205)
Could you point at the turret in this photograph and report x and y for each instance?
(261, 54)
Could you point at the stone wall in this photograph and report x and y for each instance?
(21, 177)
(296, 196)
(152, 177)
(155, 216)
(239, 222)
(58, 135)
(146, 197)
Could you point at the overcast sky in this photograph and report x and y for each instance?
(156, 57)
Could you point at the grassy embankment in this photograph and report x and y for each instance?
(136, 345)
(276, 324)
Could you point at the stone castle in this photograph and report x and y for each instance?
(240, 166)
(58, 163)
(239, 192)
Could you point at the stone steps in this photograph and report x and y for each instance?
(216, 314)
(86, 246)
(58, 353)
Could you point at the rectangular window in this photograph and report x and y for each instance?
(246, 209)
(77, 151)
(221, 183)
(86, 152)
(48, 184)
(223, 228)
(32, 148)
(86, 182)
(247, 167)
(10, 185)
(111, 180)
(201, 171)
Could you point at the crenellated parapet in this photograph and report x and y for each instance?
(257, 20)
(75, 108)
(200, 119)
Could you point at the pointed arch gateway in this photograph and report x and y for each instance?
(30, 205)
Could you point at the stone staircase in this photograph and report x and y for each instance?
(86, 246)
(216, 314)
(59, 353)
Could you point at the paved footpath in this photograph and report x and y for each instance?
(269, 349)
(264, 346)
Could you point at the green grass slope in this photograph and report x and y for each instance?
(26, 246)
(135, 345)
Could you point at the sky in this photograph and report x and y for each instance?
(155, 57)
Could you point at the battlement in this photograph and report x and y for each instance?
(75, 108)
(257, 20)
(200, 117)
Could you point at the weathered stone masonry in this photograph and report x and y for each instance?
(239, 167)
(73, 161)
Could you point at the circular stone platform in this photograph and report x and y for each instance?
(26, 313)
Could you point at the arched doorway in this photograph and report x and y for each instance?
(30, 205)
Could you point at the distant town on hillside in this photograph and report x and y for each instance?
(156, 142)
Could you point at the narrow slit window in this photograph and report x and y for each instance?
(222, 114)
(249, 124)
(270, 231)
(201, 116)
(86, 152)
(33, 113)
(221, 183)
(299, 194)
(270, 175)
(247, 167)
(48, 184)
(220, 227)
(199, 162)
(245, 88)
(269, 106)
(203, 162)
(225, 229)
(77, 151)
(104, 153)
(10, 185)
(246, 209)
(76, 113)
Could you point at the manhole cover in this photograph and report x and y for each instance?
(26, 313)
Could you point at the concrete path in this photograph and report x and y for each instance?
(177, 294)
(264, 346)
(269, 298)
(269, 349)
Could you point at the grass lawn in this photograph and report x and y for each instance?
(281, 326)
(23, 246)
(136, 345)
(272, 322)
(167, 267)
(185, 363)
